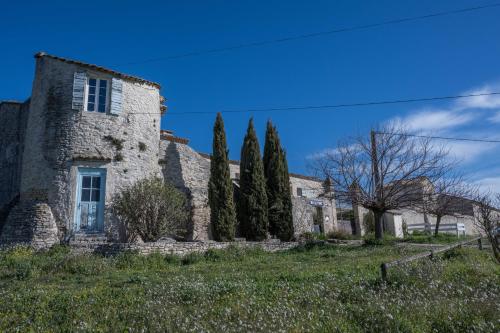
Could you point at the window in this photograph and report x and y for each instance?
(299, 192)
(91, 186)
(97, 95)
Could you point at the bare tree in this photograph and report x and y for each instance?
(388, 170)
(487, 219)
(449, 196)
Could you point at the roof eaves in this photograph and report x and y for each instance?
(98, 68)
(295, 175)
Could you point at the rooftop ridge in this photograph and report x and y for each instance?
(295, 175)
(98, 68)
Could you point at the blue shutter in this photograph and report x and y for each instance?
(79, 81)
(116, 96)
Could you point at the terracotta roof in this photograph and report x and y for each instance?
(98, 68)
(169, 136)
(294, 175)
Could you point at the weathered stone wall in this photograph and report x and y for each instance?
(31, 223)
(60, 140)
(13, 119)
(411, 217)
(179, 248)
(303, 215)
(189, 171)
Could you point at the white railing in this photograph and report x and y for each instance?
(459, 228)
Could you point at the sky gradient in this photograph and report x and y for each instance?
(440, 56)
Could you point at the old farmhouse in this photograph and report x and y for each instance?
(87, 132)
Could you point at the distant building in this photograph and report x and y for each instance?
(413, 217)
(86, 133)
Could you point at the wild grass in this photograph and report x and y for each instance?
(320, 288)
(428, 238)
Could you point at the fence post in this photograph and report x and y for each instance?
(479, 243)
(383, 271)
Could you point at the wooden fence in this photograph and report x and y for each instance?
(384, 267)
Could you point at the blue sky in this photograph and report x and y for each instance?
(440, 56)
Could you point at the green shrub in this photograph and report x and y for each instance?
(172, 259)
(85, 265)
(192, 258)
(341, 234)
(370, 240)
(426, 237)
(151, 209)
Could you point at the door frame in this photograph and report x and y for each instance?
(81, 171)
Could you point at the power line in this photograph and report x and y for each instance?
(441, 137)
(332, 106)
(314, 34)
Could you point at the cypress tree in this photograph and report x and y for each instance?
(220, 187)
(287, 225)
(252, 201)
(277, 186)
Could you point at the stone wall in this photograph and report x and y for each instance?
(60, 140)
(13, 119)
(30, 223)
(189, 171)
(179, 248)
(411, 217)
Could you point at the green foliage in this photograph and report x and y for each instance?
(115, 142)
(315, 287)
(142, 146)
(252, 201)
(387, 239)
(220, 187)
(369, 222)
(340, 234)
(428, 238)
(191, 258)
(151, 209)
(118, 157)
(277, 186)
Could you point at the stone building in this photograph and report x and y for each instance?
(87, 132)
(190, 170)
(414, 217)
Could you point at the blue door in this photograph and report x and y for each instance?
(89, 214)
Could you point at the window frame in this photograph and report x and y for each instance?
(97, 97)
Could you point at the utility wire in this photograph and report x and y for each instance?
(332, 106)
(441, 137)
(314, 34)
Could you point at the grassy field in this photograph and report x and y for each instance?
(313, 288)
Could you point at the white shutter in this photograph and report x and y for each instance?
(116, 96)
(79, 81)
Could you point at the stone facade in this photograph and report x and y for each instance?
(189, 171)
(414, 217)
(31, 223)
(49, 140)
(13, 120)
(59, 140)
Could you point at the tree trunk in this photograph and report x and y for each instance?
(495, 246)
(379, 228)
(438, 221)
